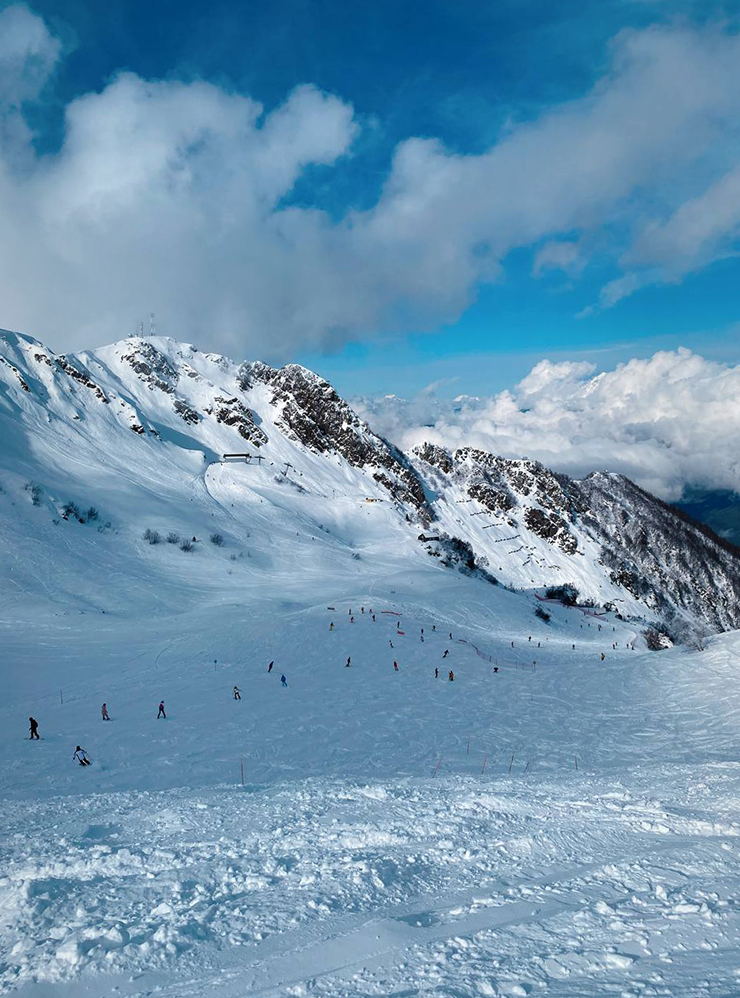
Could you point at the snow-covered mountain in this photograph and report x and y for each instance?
(137, 433)
(555, 815)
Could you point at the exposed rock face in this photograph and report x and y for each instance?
(659, 555)
(152, 367)
(81, 376)
(648, 548)
(313, 413)
(185, 413)
(232, 412)
(22, 381)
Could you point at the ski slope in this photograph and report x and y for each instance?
(384, 839)
(564, 826)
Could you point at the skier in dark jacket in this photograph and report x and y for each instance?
(81, 756)
(34, 729)
(161, 710)
(348, 662)
(283, 680)
(451, 676)
(269, 668)
(237, 693)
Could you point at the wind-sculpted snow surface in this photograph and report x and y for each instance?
(439, 886)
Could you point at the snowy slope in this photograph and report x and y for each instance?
(566, 825)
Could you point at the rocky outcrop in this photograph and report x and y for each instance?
(311, 412)
(232, 412)
(81, 376)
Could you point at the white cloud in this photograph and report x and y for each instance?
(559, 255)
(668, 421)
(174, 197)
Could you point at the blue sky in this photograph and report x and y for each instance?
(620, 273)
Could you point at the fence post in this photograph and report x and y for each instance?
(436, 768)
(576, 759)
(61, 696)
(241, 765)
(467, 751)
(511, 763)
(483, 767)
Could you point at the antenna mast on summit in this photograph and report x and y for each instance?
(152, 327)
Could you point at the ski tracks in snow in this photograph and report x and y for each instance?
(342, 889)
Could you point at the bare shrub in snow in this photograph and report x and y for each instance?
(151, 536)
(217, 539)
(70, 509)
(173, 538)
(186, 545)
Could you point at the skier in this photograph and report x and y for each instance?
(495, 668)
(81, 756)
(34, 729)
(450, 635)
(373, 618)
(331, 626)
(161, 710)
(451, 676)
(269, 668)
(395, 666)
(603, 656)
(436, 672)
(349, 659)
(104, 712)
(390, 643)
(237, 693)
(283, 680)
(434, 627)
(447, 652)
(351, 620)
(362, 609)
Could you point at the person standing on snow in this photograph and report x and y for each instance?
(237, 694)
(269, 668)
(436, 672)
(161, 710)
(349, 660)
(104, 712)
(451, 676)
(331, 626)
(81, 756)
(395, 666)
(34, 729)
(447, 652)
(283, 680)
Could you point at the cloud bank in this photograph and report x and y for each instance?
(175, 196)
(666, 422)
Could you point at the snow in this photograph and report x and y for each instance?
(566, 828)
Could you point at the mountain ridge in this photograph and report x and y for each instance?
(159, 415)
